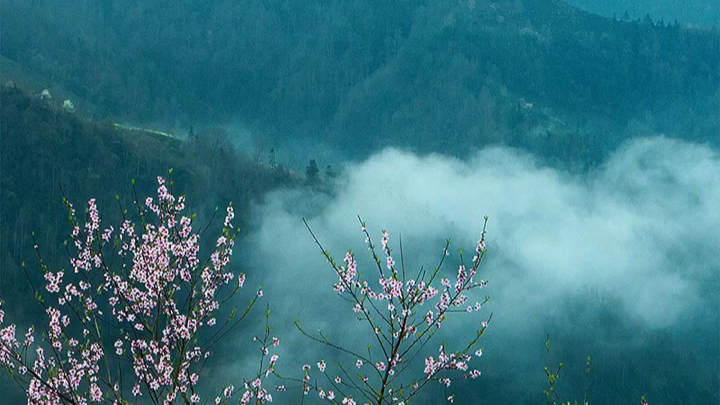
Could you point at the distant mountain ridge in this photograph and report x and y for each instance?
(687, 12)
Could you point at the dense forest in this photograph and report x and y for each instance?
(351, 78)
(541, 75)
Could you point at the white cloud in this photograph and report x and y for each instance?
(614, 229)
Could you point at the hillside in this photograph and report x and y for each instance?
(441, 76)
(46, 153)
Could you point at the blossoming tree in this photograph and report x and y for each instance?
(134, 318)
(403, 311)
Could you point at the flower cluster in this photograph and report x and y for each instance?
(452, 361)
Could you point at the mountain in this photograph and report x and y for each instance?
(444, 76)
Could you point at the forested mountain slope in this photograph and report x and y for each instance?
(46, 152)
(433, 76)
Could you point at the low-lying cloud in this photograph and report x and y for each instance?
(641, 230)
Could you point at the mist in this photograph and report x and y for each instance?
(605, 261)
